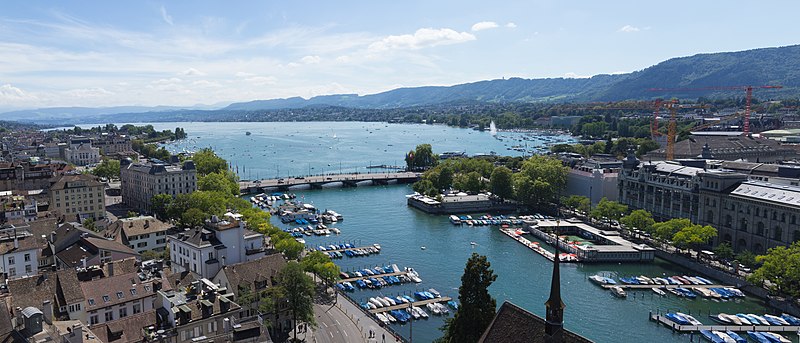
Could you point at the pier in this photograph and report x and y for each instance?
(345, 249)
(737, 328)
(407, 305)
(373, 276)
(531, 245)
(317, 181)
(634, 287)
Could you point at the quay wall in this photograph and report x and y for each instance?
(729, 279)
(455, 207)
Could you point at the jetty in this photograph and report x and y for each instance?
(656, 317)
(317, 181)
(407, 305)
(345, 249)
(531, 245)
(634, 287)
(352, 279)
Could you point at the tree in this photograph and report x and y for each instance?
(477, 307)
(470, 182)
(207, 162)
(289, 247)
(193, 217)
(608, 210)
(501, 183)
(577, 203)
(421, 158)
(160, 204)
(224, 181)
(694, 235)
(299, 290)
(747, 258)
(107, 168)
(639, 219)
(425, 187)
(666, 230)
(724, 251)
(540, 180)
(150, 255)
(131, 214)
(781, 267)
(89, 224)
(445, 179)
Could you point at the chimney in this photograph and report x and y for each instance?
(83, 262)
(47, 306)
(110, 269)
(146, 223)
(224, 304)
(16, 241)
(52, 237)
(207, 308)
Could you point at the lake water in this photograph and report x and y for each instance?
(379, 214)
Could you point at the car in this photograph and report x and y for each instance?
(299, 178)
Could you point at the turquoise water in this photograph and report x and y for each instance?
(379, 214)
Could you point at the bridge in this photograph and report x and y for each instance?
(317, 181)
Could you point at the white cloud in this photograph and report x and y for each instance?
(628, 28)
(310, 59)
(511, 25)
(95, 92)
(193, 72)
(164, 15)
(243, 74)
(484, 25)
(425, 37)
(9, 92)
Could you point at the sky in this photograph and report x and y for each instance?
(99, 53)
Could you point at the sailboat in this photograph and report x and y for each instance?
(492, 129)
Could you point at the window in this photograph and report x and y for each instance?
(11, 260)
(93, 320)
(27, 257)
(141, 244)
(28, 269)
(778, 233)
(133, 291)
(106, 298)
(137, 308)
(123, 312)
(91, 302)
(120, 295)
(109, 316)
(212, 327)
(12, 272)
(147, 288)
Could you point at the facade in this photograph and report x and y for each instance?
(110, 144)
(116, 297)
(19, 252)
(140, 233)
(728, 148)
(17, 207)
(78, 197)
(81, 152)
(594, 178)
(140, 182)
(256, 276)
(205, 250)
(29, 175)
(92, 251)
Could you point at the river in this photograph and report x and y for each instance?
(379, 214)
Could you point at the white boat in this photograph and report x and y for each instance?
(390, 317)
(724, 336)
(382, 318)
(659, 291)
(455, 220)
(777, 319)
(433, 308)
(384, 302)
(473, 243)
(442, 309)
(691, 319)
(391, 301)
(375, 302)
(413, 275)
(618, 292)
(421, 312)
(335, 230)
(435, 293)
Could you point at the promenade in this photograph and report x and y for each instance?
(345, 322)
(316, 181)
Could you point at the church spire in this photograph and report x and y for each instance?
(554, 321)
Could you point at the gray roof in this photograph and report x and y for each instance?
(30, 311)
(769, 192)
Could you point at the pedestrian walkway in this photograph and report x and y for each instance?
(343, 322)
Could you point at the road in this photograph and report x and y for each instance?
(344, 322)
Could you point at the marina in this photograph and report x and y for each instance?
(407, 305)
(663, 319)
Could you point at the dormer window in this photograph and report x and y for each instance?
(133, 291)
(106, 298)
(91, 302)
(120, 295)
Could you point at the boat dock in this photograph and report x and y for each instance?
(531, 245)
(372, 276)
(736, 328)
(635, 287)
(416, 303)
(345, 249)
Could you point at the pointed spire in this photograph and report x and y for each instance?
(554, 320)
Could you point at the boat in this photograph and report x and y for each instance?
(247, 133)
(382, 318)
(760, 319)
(659, 291)
(435, 293)
(453, 304)
(724, 336)
(677, 318)
(473, 243)
(433, 308)
(711, 337)
(790, 318)
(777, 337)
(758, 337)
(736, 337)
(744, 319)
(692, 320)
(777, 319)
(618, 292)
(375, 302)
(422, 247)
(455, 220)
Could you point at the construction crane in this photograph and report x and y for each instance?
(747, 89)
(671, 128)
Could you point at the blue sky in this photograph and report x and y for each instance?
(108, 53)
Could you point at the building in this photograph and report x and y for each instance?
(111, 144)
(92, 251)
(141, 181)
(17, 207)
(594, 178)
(81, 152)
(30, 175)
(117, 296)
(205, 250)
(19, 252)
(140, 233)
(78, 197)
(203, 312)
(728, 148)
(513, 324)
(255, 276)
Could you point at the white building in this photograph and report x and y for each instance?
(116, 297)
(204, 251)
(140, 182)
(78, 197)
(140, 233)
(81, 152)
(19, 252)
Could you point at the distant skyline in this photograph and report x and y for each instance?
(183, 53)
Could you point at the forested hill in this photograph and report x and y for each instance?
(768, 66)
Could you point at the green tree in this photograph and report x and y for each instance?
(781, 267)
(421, 158)
(107, 168)
(747, 258)
(193, 217)
(207, 162)
(502, 182)
(470, 182)
(151, 255)
(224, 181)
(445, 179)
(694, 235)
(540, 180)
(425, 187)
(89, 224)
(639, 219)
(724, 251)
(666, 230)
(299, 290)
(477, 307)
(160, 204)
(131, 214)
(608, 210)
(289, 247)
(577, 203)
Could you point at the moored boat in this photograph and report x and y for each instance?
(618, 292)
(659, 291)
(736, 337)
